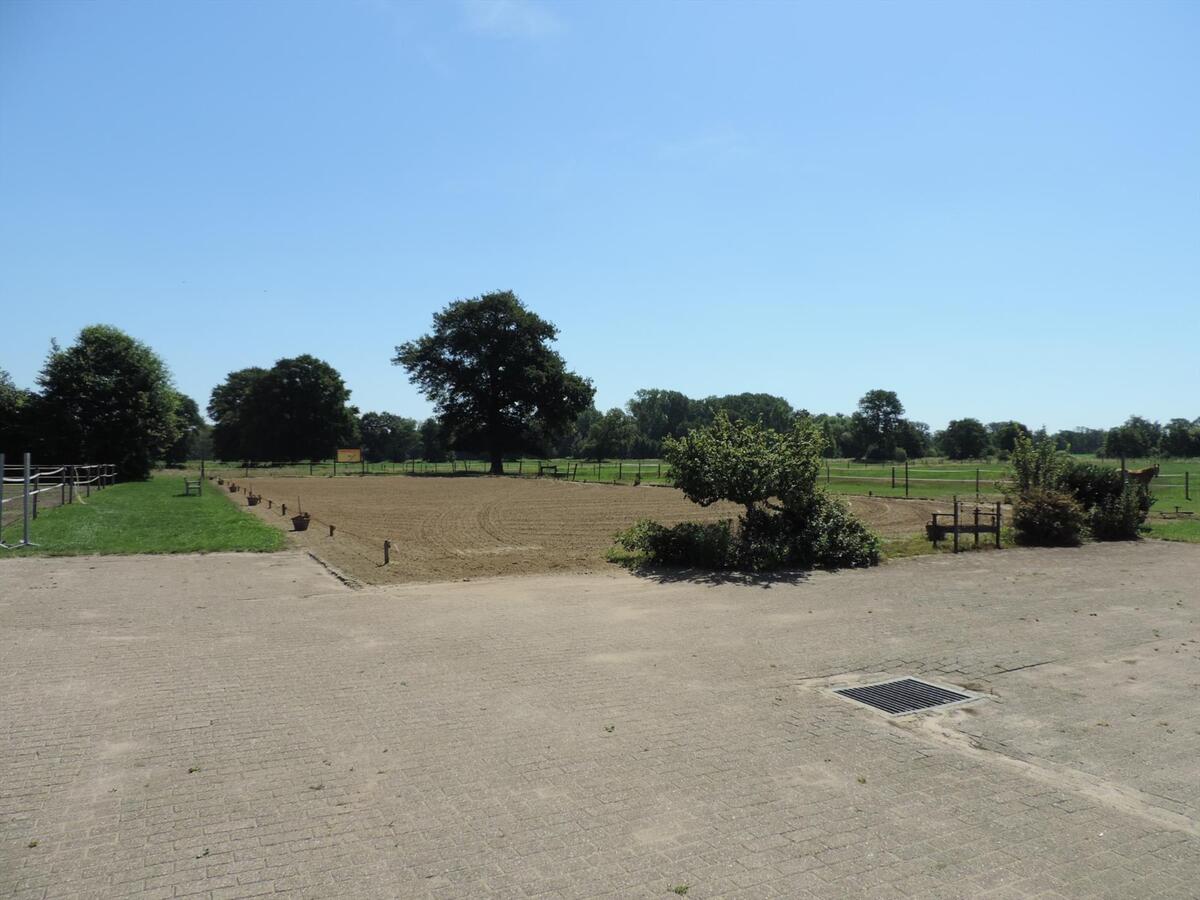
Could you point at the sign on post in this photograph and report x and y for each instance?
(350, 455)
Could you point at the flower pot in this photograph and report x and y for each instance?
(232, 488)
(300, 522)
(252, 499)
(220, 481)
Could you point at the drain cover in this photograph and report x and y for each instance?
(903, 696)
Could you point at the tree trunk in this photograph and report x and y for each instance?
(497, 462)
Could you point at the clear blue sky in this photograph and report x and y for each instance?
(991, 208)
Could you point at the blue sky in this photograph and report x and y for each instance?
(993, 209)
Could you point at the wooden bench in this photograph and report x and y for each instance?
(982, 521)
(191, 486)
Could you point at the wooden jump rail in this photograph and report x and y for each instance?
(982, 521)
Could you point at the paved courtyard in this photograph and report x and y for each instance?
(241, 726)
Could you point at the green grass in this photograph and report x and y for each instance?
(147, 517)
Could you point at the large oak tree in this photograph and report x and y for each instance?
(492, 376)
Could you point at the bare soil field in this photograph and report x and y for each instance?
(467, 527)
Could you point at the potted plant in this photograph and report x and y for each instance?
(300, 522)
(253, 499)
(220, 481)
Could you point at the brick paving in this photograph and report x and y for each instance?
(242, 726)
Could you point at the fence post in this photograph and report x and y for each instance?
(25, 502)
(37, 487)
(977, 524)
(387, 551)
(956, 523)
(1187, 492)
(893, 477)
(906, 478)
(620, 470)
(976, 485)
(997, 524)
(2, 497)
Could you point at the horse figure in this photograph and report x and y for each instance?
(1143, 476)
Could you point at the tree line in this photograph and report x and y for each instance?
(499, 389)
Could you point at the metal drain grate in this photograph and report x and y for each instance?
(903, 696)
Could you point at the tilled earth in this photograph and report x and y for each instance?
(453, 528)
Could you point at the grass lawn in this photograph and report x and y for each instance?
(147, 517)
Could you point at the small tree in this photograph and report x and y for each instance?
(108, 398)
(492, 376)
(745, 463)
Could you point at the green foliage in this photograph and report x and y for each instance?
(610, 436)
(188, 427)
(14, 406)
(1092, 485)
(434, 443)
(692, 544)
(818, 532)
(295, 410)
(1004, 434)
(492, 376)
(1037, 464)
(744, 463)
(386, 436)
(1044, 517)
(1120, 517)
(1137, 437)
(1181, 438)
(964, 439)
(788, 522)
(107, 398)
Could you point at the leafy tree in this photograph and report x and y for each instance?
(227, 409)
(572, 441)
(433, 441)
(298, 410)
(493, 378)
(744, 462)
(610, 436)
(659, 414)
(295, 410)
(1137, 437)
(108, 398)
(1181, 438)
(188, 425)
(14, 409)
(1080, 440)
(964, 439)
(877, 419)
(386, 436)
(761, 409)
(1004, 435)
(913, 438)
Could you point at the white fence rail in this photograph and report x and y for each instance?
(26, 487)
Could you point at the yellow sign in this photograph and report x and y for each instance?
(352, 455)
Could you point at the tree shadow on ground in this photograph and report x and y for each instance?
(671, 575)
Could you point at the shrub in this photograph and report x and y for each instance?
(1120, 518)
(1037, 465)
(821, 532)
(707, 546)
(1093, 485)
(1048, 518)
(1116, 509)
(901, 455)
